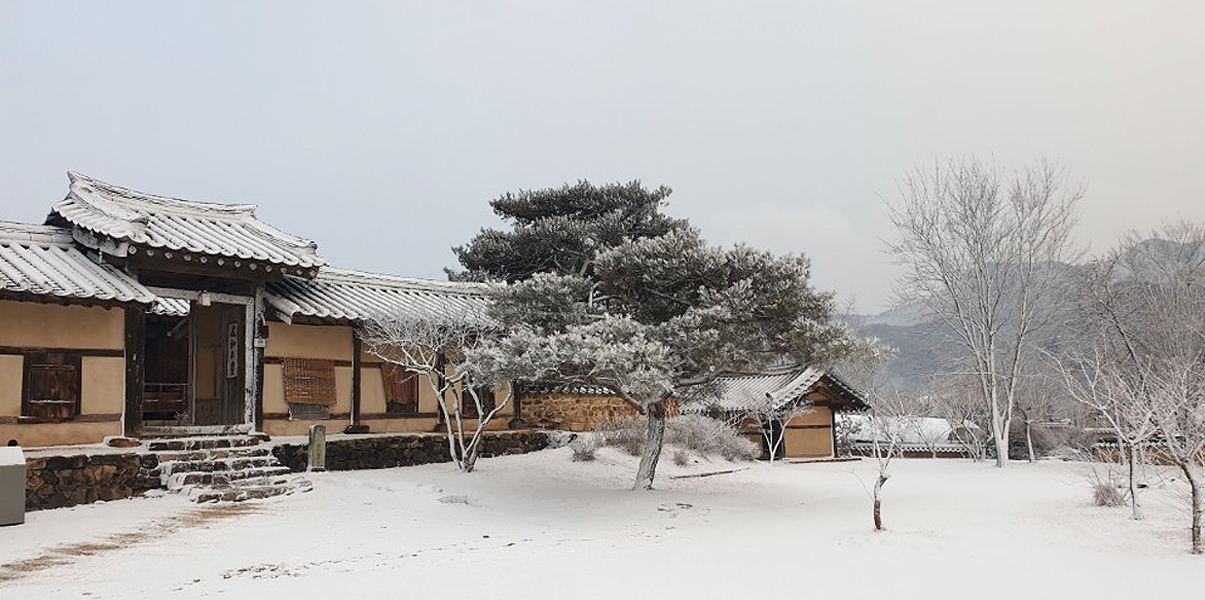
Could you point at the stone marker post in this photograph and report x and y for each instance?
(317, 448)
(12, 485)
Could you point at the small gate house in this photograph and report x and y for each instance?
(809, 397)
(133, 314)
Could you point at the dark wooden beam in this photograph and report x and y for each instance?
(356, 349)
(135, 336)
(80, 351)
(96, 418)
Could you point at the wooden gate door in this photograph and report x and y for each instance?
(234, 357)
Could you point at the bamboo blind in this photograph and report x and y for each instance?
(309, 381)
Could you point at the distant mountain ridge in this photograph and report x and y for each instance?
(921, 343)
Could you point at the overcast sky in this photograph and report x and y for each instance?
(381, 129)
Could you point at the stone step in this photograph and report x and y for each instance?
(251, 490)
(201, 443)
(215, 454)
(182, 480)
(217, 465)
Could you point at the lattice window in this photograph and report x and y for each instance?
(51, 388)
(309, 381)
(401, 390)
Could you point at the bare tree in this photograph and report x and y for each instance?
(433, 348)
(1110, 395)
(772, 417)
(887, 423)
(1144, 306)
(968, 420)
(983, 257)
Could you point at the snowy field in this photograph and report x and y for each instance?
(541, 526)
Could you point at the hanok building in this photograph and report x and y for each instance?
(809, 432)
(134, 314)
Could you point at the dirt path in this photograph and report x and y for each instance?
(155, 531)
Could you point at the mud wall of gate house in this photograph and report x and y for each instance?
(93, 334)
(809, 435)
(334, 343)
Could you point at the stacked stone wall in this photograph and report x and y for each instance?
(60, 481)
(402, 450)
(579, 412)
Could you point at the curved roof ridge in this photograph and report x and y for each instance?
(94, 189)
(27, 232)
(139, 218)
(355, 276)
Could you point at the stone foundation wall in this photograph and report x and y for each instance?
(402, 450)
(59, 481)
(579, 413)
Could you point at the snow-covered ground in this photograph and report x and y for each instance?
(541, 526)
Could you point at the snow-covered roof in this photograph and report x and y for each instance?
(223, 230)
(346, 295)
(742, 392)
(170, 307)
(42, 260)
(905, 430)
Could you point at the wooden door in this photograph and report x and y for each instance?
(234, 360)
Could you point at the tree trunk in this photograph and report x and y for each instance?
(878, 488)
(652, 446)
(1001, 441)
(470, 458)
(1198, 505)
(1135, 508)
(1029, 440)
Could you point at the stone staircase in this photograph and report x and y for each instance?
(223, 469)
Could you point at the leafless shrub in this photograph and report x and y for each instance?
(695, 434)
(710, 437)
(681, 458)
(585, 446)
(1108, 485)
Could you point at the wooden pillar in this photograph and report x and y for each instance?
(832, 426)
(135, 338)
(356, 350)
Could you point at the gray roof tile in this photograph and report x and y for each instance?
(228, 230)
(42, 260)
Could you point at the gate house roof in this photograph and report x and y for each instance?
(347, 296)
(741, 392)
(225, 230)
(42, 260)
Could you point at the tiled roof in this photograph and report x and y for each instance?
(40, 259)
(345, 295)
(222, 230)
(736, 393)
(170, 307)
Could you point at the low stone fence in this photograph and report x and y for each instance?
(60, 481)
(351, 452)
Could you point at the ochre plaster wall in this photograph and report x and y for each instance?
(33, 325)
(11, 370)
(274, 390)
(309, 341)
(103, 385)
(372, 391)
(328, 342)
(102, 378)
(808, 443)
(814, 442)
(816, 415)
(33, 435)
